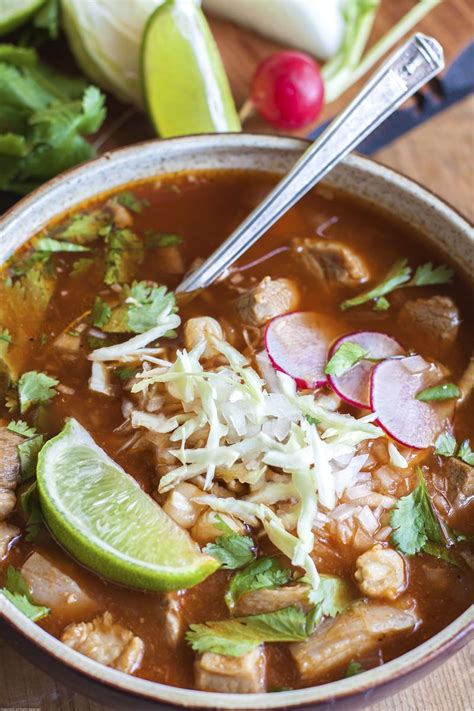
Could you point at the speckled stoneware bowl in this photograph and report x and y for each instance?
(360, 177)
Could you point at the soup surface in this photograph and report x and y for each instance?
(332, 500)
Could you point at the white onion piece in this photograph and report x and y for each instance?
(353, 386)
(298, 343)
(407, 420)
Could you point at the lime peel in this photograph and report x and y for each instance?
(100, 515)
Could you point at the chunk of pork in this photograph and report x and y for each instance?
(358, 630)
(106, 642)
(257, 602)
(51, 587)
(381, 573)
(9, 470)
(460, 477)
(231, 675)
(434, 322)
(330, 261)
(270, 298)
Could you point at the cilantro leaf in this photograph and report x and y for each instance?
(257, 575)
(331, 597)
(231, 549)
(35, 388)
(242, 634)
(143, 305)
(414, 521)
(22, 428)
(446, 445)
(398, 274)
(124, 254)
(30, 506)
(80, 267)
(17, 591)
(354, 668)
(129, 200)
(83, 227)
(49, 113)
(347, 355)
(127, 373)
(48, 244)
(381, 304)
(101, 313)
(28, 452)
(446, 391)
(426, 275)
(465, 453)
(160, 240)
(5, 336)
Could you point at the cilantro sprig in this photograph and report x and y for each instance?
(17, 591)
(263, 573)
(35, 388)
(414, 521)
(231, 549)
(445, 391)
(345, 357)
(399, 275)
(242, 634)
(446, 446)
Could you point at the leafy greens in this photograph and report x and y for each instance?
(17, 591)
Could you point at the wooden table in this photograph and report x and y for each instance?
(437, 154)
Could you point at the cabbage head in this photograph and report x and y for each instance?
(105, 36)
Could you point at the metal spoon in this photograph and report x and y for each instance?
(406, 70)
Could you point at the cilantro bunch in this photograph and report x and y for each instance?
(44, 117)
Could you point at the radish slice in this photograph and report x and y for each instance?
(354, 386)
(298, 343)
(394, 384)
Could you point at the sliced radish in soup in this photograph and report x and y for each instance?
(354, 386)
(394, 385)
(298, 343)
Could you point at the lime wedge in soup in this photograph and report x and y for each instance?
(101, 516)
(14, 13)
(184, 82)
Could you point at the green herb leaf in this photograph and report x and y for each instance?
(130, 201)
(127, 373)
(399, 274)
(354, 668)
(101, 313)
(231, 549)
(446, 391)
(257, 575)
(441, 552)
(30, 506)
(331, 597)
(80, 267)
(22, 428)
(446, 445)
(35, 388)
(465, 453)
(381, 304)
(48, 244)
(124, 254)
(84, 227)
(28, 452)
(242, 634)
(143, 305)
(154, 240)
(47, 18)
(426, 275)
(414, 521)
(346, 357)
(5, 336)
(17, 591)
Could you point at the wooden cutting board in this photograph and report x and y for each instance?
(439, 155)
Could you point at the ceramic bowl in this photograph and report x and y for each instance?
(365, 179)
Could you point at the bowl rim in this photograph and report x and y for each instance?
(447, 640)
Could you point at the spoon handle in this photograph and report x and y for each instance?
(406, 71)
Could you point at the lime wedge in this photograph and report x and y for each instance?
(183, 78)
(101, 516)
(14, 13)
